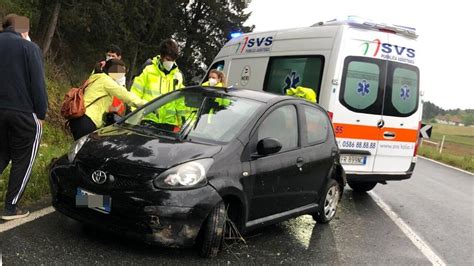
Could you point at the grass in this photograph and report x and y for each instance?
(55, 142)
(458, 148)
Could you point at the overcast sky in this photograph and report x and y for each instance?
(445, 29)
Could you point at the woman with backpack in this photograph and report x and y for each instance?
(98, 97)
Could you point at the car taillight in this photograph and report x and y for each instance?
(330, 115)
(418, 139)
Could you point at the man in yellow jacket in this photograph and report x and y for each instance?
(159, 78)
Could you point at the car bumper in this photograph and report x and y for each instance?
(170, 218)
(379, 177)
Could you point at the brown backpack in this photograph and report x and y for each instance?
(73, 104)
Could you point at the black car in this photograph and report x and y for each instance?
(234, 156)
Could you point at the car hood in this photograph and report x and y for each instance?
(124, 146)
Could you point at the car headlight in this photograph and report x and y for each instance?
(187, 175)
(76, 147)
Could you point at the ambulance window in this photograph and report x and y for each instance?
(360, 88)
(286, 72)
(219, 65)
(317, 125)
(402, 90)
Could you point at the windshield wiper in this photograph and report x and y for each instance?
(187, 127)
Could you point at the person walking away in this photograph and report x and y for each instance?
(159, 78)
(98, 96)
(216, 79)
(23, 106)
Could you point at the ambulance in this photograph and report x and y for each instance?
(364, 73)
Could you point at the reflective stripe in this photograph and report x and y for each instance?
(34, 150)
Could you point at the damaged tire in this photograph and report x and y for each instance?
(213, 231)
(328, 204)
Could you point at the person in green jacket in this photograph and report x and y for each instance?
(98, 97)
(158, 78)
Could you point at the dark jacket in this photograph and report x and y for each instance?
(22, 86)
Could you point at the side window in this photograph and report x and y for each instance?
(361, 85)
(402, 91)
(289, 72)
(219, 65)
(281, 124)
(317, 125)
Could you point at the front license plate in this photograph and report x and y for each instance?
(86, 199)
(353, 159)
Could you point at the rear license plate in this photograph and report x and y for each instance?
(353, 159)
(86, 199)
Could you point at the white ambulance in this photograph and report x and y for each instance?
(365, 75)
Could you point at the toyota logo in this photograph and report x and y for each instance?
(99, 177)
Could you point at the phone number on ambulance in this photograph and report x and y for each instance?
(357, 144)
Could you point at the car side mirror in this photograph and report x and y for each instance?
(268, 146)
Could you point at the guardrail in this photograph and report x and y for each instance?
(439, 145)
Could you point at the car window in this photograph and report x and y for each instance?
(290, 72)
(195, 114)
(361, 87)
(317, 125)
(402, 91)
(282, 125)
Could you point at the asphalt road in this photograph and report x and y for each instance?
(437, 203)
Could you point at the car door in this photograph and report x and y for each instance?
(267, 196)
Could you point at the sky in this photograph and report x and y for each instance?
(445, 42)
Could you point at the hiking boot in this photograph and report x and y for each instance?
(17, 213)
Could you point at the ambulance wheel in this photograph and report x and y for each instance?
(328, 204)
(213, 231)
(362, 186)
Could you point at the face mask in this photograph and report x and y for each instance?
(168, 65)
(121, 81)
(212, 82)
(107, 58)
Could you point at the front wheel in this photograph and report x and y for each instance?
(213, 231)
(362, 186)
(328, 203)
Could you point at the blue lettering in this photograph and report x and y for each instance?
(386, 48)
(399, 49)
(411, 53)
(251, 43)
(268, 41)
(260, 41)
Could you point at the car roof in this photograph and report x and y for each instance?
(260, 96)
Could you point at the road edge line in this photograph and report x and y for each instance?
(447, 165)
(414, 238)
(33, 216)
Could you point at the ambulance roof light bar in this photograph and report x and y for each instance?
(365, 23)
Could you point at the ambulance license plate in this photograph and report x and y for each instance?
(86, 199)
(353, 159)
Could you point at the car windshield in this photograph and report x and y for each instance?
(195, 114)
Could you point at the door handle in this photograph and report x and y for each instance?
(299, 162)
(389, 135)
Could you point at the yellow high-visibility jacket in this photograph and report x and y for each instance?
(99, 94)
(302, 92)
(154, 82)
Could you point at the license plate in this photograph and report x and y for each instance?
(86, 199)
(354, 159)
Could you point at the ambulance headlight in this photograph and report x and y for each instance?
(76, 147)
(184, 176)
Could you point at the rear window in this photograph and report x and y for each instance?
(290, 72)
(375, 86)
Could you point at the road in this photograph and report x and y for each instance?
(436, 203)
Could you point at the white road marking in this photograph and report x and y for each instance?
(414, 238)
(33, 216)
(449, 166)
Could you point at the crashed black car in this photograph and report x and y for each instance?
(236, 156)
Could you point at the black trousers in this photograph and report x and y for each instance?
(81, 126)
(20, 135)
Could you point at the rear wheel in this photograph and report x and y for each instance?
(213, 231)
(362, 186)
(328, 203)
